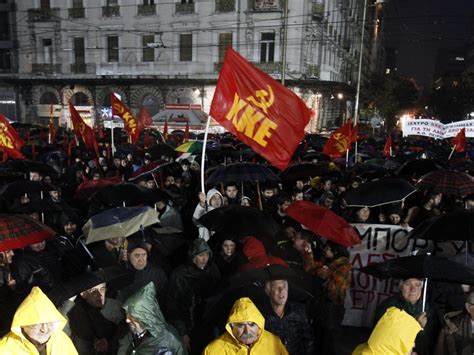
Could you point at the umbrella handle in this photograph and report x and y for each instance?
(424, 295)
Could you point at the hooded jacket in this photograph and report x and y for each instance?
(201, 211)
(36, 309)
(244, 310)
(394, 334)
(144, 307)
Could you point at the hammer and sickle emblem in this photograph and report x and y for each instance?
(3, 128)
(342, 142)
(82, 127)
(263, 99)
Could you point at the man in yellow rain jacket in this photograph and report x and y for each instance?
(245, 334)
(37, 329)
(394, 334)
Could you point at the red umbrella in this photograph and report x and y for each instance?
(18, 231)
(323, 222)
(90, 187)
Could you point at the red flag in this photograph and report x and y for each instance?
(257, 109)
(10, 140)
(131, 124)
(33, 151)
(340, 141)
(459, 141)
(354, 133)
(81, 129)
(144, 118)
(52, 129)
(165, 130)
(387, 149)
(186, 133)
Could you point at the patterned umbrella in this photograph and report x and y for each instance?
(246, 172)
(448, 182)
(190, 147)
(18, 231)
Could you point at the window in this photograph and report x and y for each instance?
(79, 53)
(148, 2)
(77, 4)
(148, 52)
(48, 98)
(47, 50)
(266, 5)
(186, 47)
(225, 41)
(45, 4)
(267, 47)
(112, 49)
(112, 2)
(80, 99)
(186, 2)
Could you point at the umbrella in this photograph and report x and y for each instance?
(26, 166)
(156, 151)
(119, 222)
(323, 222)
(379, 192)
(190, 147)
(245, 172)
(418, 167)
(157, 166)
(90, 187)
(38, 206)
(447, 182)
(123, 193)
(458, 225)
(18, 231)
(22, 187)
(304, 170)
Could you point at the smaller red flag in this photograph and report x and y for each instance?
(459, 141)
(186, 133)
(340, 141)
(165, 130)
(387, 149)
(144, 118)
(354, 133)
(83, 130)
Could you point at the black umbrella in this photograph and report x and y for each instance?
(418, 167)
(124, 194)
(38, 206)
(304, 170)
(245, 172)
(26, 166)
(379, 192)
(21, 187)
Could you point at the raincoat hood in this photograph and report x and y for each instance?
(198, 246)
(143, 306)
(211, 193)
(394, 333)
(244, 310)
(35, 309)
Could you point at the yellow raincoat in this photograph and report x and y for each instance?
(36, 309)
(394, 334)
(244, 310)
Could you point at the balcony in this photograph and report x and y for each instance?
(76, 12)
(317, 11)
(45, 68)
(111, 11)
(147, 10)
(82, 68)
(269, 67)
(43, 15)
(187, 8)
(313, 71)
(266, 5)
(225, 5)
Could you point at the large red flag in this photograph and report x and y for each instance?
(83, 130)
(10, 140)
(387, 149)
(261, 112)
(340, 141)
(131, 124)
(144, 118)
(459, 141)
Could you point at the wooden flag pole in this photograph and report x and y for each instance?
(203, 154)
(452, 151)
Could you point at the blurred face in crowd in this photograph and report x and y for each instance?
(299, 184)
(277, 292)
(328, 202)
(138, 258)
(245, 332)
(134, 325)
(228, 248)
(363, 214)
(55, 195)
(469, 204)
(394, 218)
(161, 206)
(35, 176)
(70, 228)
(95, 296)
(328, 253)
(231, 191)
(268, 193)
(299, 243)
(215, 201)
(169, 180)
(37, 247)
(40, 333)
(24, 199)
(411, 290)
(201, 259)
(470, 305)
(284, 206)
(298, 196)
(327, 185)
(437, 199)
(6, 257)
(150, 184)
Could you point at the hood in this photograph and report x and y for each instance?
(394, 333)
(198, 246)
(211, 193)
(35, 309)
(253, 248)
(143, 306)
(244, 310)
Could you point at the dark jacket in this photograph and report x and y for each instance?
(455, 337)
(294, 329)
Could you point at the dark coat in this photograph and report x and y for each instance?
(455, 337)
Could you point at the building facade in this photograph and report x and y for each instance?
(157, 52)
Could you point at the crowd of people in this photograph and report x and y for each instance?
(179, 299)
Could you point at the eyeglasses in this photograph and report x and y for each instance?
(102, 290)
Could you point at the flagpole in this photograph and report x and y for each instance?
(203, 190)
(452, 151)
(285, 34)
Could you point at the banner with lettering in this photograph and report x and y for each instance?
(258, 110)
(131, 124)
(436, 129)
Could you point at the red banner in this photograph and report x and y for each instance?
(387, 149)
(144, 118)
(459, 141)
(82, 130)
(131, 124)
(340, 141)
(10, 141)
(257, 109)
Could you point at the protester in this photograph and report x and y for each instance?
(427, 209)
(37, 329)
(232, 194)
(245, 333)
(207, 203)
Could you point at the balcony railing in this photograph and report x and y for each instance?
(76, 12)
(46, 68)
(265, 5)
(269, 67)
(317, 11)
(147, 10)
(187, 8)
(225, 5)
(79, 68)
(111, 11)
(313, 71)
(43, 15)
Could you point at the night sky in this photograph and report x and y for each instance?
(418, 28)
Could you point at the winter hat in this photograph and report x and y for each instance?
(136, 243)
(198, 246)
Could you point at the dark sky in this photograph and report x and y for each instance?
(418, 28)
